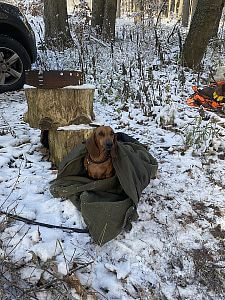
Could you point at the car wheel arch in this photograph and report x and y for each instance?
(13, 32)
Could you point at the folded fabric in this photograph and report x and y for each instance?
(109, 205)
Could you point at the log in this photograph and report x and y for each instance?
(51, 108)
(63, 140)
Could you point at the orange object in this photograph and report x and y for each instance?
(199, 98)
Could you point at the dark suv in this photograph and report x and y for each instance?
(17, 47)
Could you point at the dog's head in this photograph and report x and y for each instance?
(102, 140)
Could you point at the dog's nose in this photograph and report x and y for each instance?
(108, 145)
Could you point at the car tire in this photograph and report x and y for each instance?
(14, 60)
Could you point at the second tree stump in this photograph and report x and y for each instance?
(63, 140)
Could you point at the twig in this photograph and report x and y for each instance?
(159, 14)
(17, 287)
(14, 185)
(173, 30)
(31, 222)
(20, 240)
(99, 41)
(12, 132)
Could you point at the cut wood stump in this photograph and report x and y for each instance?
(63, 140)
(51, 108)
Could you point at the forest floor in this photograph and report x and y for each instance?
(175, 250)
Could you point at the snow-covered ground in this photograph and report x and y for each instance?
(175, 249)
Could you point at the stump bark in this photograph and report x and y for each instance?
(51, 108)
(62, 141)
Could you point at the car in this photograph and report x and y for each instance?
(17, 47)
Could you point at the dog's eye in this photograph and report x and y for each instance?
(101, 133)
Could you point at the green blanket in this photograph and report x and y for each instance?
(109, 205)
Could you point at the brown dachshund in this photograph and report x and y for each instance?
(101, 148)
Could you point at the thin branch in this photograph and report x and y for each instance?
(159, 14)
(31, 222)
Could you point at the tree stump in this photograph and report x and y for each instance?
(51, 108)
(63, 140)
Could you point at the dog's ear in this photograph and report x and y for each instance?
(113, 151)
(92, 146)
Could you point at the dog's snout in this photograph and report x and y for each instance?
(109, 144)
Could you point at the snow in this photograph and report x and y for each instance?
(27, 86)
(178, 212)
(13, 2)
(220, 74)
(75, 127)
(75, 87)
(162, 232)
(80, 87)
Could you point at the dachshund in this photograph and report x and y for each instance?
(101, 150)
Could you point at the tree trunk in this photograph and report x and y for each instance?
(118, 13)
(193, 7)
(218, 19)
(169, 8)
(175, 7)
(98, 9)
(186, 13)
(180, 8)
(57, 32)
(201, 30)
(126, 6)
(140, 10)
(109, 20)
(51, 108)
(132, 5)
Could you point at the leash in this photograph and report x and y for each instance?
(31, 222)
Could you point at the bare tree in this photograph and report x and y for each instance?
(118, 13)
(218, 19)
(169, 8)
(185, 13)
(98, 10)
(57, 32)
(109, 19)
(104, 17)
(193, 7)
(175, 7)
(180, 8)
(201, 30)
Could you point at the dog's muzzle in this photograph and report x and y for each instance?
(108, 145)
